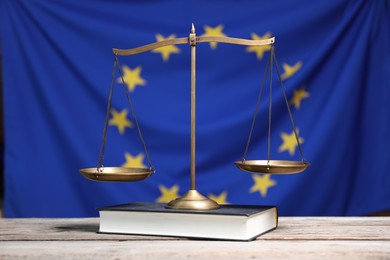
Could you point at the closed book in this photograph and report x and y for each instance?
(229, 222)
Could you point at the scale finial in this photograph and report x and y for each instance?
(192, 28)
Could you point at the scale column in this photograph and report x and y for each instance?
(192, 41)
(193, 200)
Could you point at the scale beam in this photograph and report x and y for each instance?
(237, 41)
(176, 41)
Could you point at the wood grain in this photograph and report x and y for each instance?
(191, 249)
(296, 237)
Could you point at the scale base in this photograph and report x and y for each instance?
(192, 200)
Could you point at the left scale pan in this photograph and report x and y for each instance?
(116, 174)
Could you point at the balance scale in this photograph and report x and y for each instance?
(193, 200)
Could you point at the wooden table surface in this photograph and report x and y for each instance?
(295, 237)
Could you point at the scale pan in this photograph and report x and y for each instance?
(117, 174)
(272, 166)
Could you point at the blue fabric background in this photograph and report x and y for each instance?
(57, 63)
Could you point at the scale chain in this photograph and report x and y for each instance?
(272, 59)
(288, 107)
(100, 164)
(133, 113)
(270, 107)
(257, 107)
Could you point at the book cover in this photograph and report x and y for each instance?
(229, 222)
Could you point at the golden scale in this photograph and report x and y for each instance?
(193, 200)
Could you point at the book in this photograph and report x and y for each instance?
(229, 222)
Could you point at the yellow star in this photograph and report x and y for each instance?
(262, 184)
(289, 142)
(290, 70)
(259, 50)
(298, 96)
(168, 195)
(132, 77)
(216, 31)
(134, 161)
(167, 50)
(120, 120)
(221, 199)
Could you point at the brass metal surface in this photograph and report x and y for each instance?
(116, 174)
(236, 40)
(193, 200)
(150, 47)
(272, 166)
(192, 41)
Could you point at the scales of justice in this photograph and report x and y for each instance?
(194, 200)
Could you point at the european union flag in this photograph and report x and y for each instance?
(334, 58)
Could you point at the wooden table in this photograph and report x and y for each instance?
(296, 237)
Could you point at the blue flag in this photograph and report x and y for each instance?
(334, 58)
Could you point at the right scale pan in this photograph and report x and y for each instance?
(272, 166)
